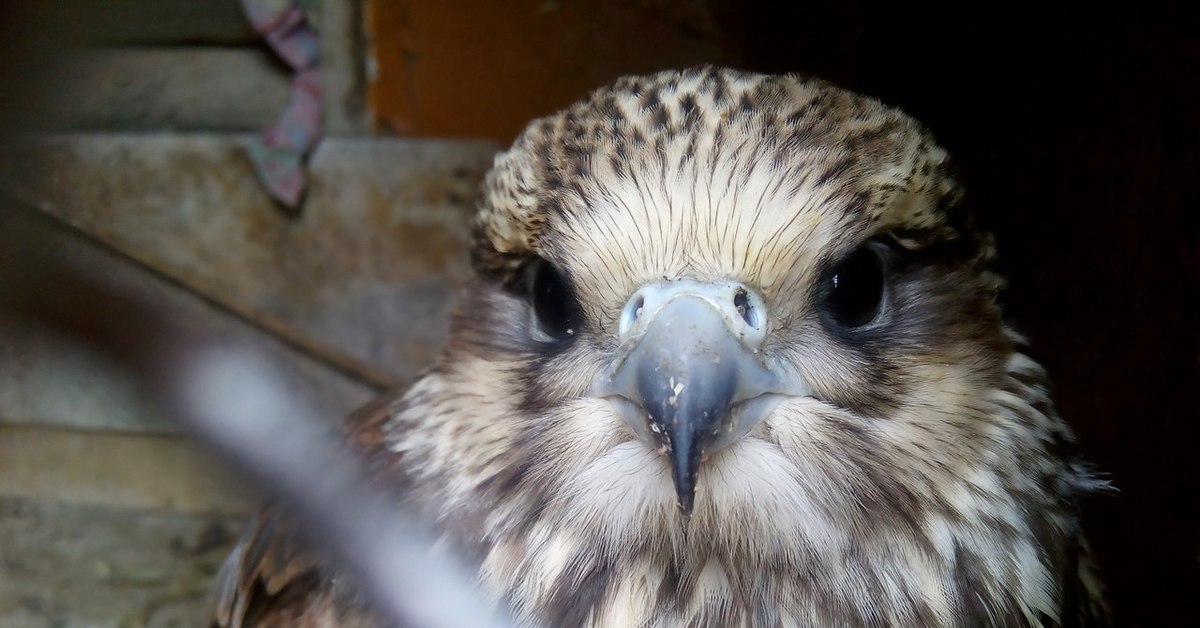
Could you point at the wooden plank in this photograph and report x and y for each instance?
(49, 380)
(151, 65)
(176, 88)
(76, 566)
(135, 25)
(343, 68)
(129, 470)
(368, 266)
(46, 379)
(151, 21)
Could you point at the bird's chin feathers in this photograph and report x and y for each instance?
(861, 518)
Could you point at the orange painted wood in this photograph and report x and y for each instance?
(479, 68)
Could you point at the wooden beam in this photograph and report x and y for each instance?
(50, 380)
(343, 68)
(157, 22)
(130, 470)
(367, 269)
(167, 21)
(162, 89)
(81, 565)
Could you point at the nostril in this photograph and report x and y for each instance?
(741, 301)
(631, 314)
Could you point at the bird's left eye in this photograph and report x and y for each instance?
(853, 291)
(553, 302)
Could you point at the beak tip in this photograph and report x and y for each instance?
(685, 500)
(684, 473)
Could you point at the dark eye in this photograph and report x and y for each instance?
(853, 292)
(553, 302)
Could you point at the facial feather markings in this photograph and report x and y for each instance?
(911, 490)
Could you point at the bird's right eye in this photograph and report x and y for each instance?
(854, 290)
(554, 302)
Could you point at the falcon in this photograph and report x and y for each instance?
(730, 355)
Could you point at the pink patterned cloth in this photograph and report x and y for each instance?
(279, 154)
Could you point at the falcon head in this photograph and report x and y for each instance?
(733, 334)
(732, 262)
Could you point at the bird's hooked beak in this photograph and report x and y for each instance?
(691, 379)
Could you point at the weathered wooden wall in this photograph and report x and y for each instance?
(70, 564)
(1074, 130)
(351, 296)
(110, 515)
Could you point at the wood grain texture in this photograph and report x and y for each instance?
(168, 88)
(79, 566)
(368, 268)
(343, 67)
(49, 380)
(148, 22)
(154, 472)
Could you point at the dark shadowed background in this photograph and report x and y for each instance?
(1076, 128)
